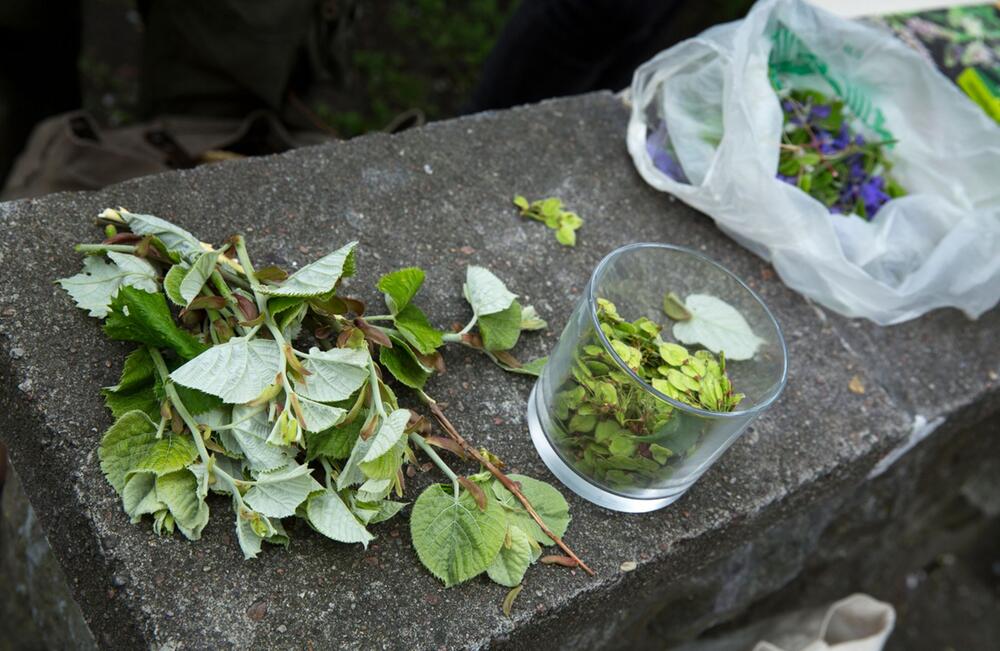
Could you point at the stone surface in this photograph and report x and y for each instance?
(440, 197)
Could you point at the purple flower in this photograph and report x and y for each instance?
(790, 180)
(819, 112)
(872, 193)
(843, 139)
(657, 144)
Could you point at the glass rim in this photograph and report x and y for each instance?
(677, 404)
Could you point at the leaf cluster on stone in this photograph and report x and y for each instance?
(550, 212)
(270, 388)
(459, 535)
(613, 428)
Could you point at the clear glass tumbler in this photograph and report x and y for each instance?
(648, 463)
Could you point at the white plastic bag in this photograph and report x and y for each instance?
(710, 99)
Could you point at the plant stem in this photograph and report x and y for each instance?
(504, 479)
(241, 252)
(104, 248)
(175, 400)
(376, 391)
(468, 326)
(328, 470)
(438, 461)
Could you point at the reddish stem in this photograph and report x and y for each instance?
(504, 479)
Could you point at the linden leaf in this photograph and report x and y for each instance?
(318, 416)
(485, 292)
(137, 315)
(388, 435)
(400, 287)
(134, 390)
(179, 491)
(512, 561)
(333, 443)
(328, 514)
(250, 435)
(196, 277)
(131, 445)
(501, 330)
(316, 278)
(334, 374)
(548, 502)
(172, 236)
(417, 330)
(278, 494)
(717, 326)
(139, 496)
(530, 319)
(403, 364)
(95, 286)
(236, 371)
(454, 539)
(172, 283)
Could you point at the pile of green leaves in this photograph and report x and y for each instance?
(550, 212)
(270, 388)
(612, 428)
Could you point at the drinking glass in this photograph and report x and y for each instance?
(657, 460)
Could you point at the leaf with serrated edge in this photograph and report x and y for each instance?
(318, 416)
(454, 539)
(388, 435)
(137, 315)
(279, 493)
(400, 287)
(139, 496)
(403, 364)
(334, 443)
(510, 563)
(251, 435)
(131, 444)
(717, 326)
(330, 516)
(179, 491)
(236, 371)
(548, 502)
(334, 374)
(417, 329)
(95, 286)
(485, 292)
(134, 390)
(172, 284)
(317, 277)
(174, 237)
(501, 330)
(197, 276)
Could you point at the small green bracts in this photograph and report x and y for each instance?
(615, 429)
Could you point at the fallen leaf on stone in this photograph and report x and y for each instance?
(508, 601)
(856, 385)
(628, 566)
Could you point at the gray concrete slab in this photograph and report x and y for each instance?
(440, 197)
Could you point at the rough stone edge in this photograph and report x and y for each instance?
(70, 534)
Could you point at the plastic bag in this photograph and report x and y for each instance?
(706, 124)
